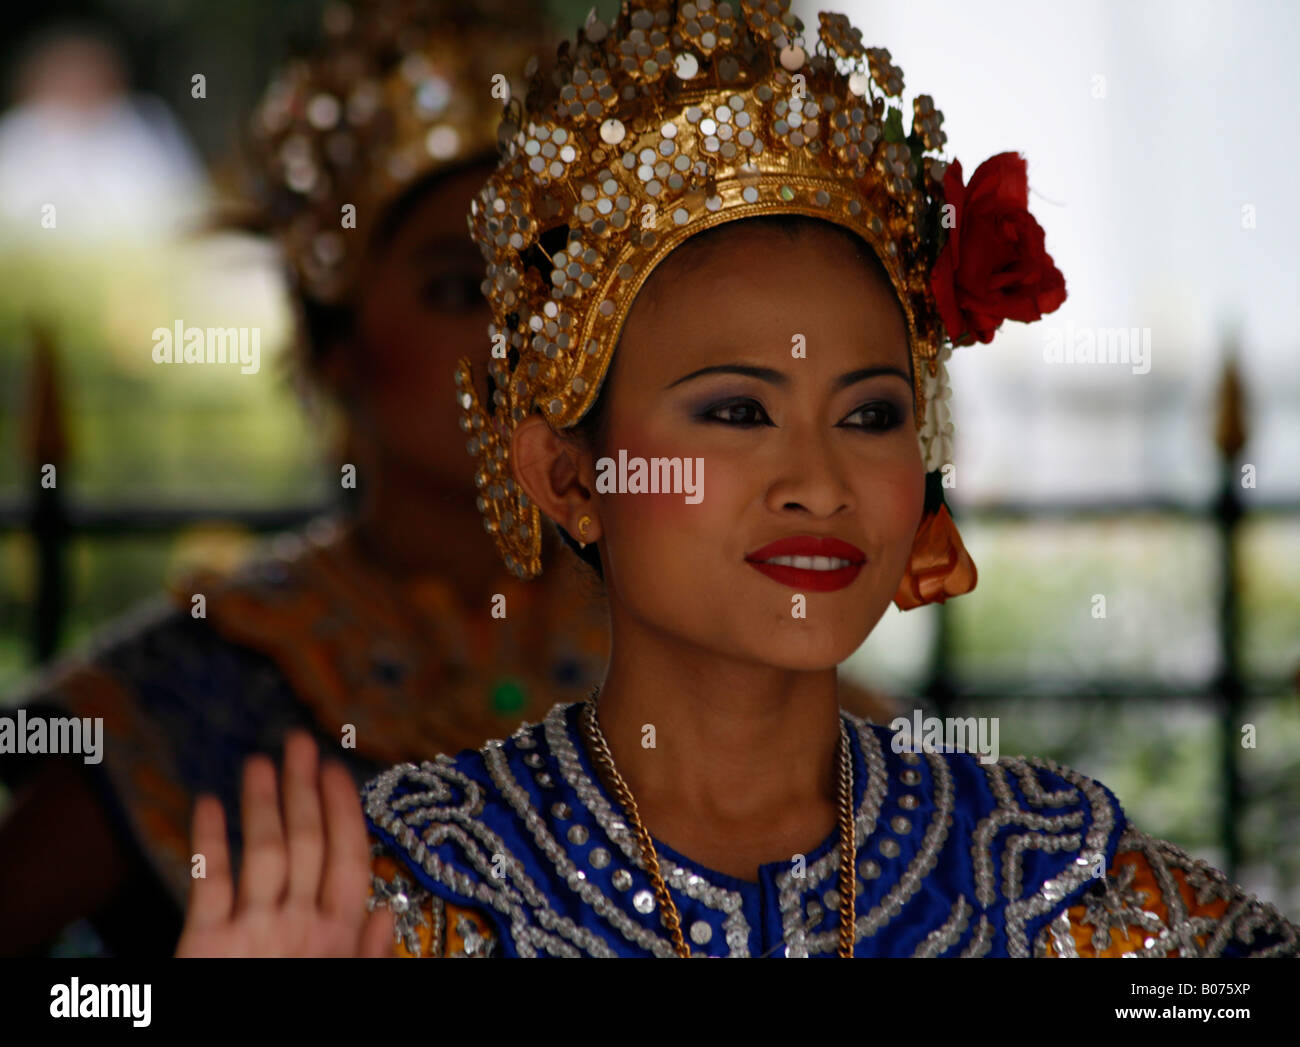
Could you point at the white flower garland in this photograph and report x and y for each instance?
(936, 427)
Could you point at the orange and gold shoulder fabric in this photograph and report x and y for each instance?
(425, 924)
(1158, 901)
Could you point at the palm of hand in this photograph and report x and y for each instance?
(305, 877)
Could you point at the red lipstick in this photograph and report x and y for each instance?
(808, 578)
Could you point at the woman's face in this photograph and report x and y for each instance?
(811, 443)
(420, 310)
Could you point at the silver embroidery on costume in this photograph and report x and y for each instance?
(616, 830)
(476, 945)
(791, 889)
(406, 902)
(531, 919)
(518, 798)
(581, 840)
(980, 943)
(1116, 905)
(938, 941)
(1019, 911)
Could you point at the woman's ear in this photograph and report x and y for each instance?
(551, 471)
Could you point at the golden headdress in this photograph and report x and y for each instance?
(394, 91)
(678, 118)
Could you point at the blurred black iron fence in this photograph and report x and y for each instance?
(53, 522)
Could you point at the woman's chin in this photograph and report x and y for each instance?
(807, 654)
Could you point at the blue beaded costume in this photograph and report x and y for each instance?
(521, 848)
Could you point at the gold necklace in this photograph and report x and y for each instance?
(671, 919)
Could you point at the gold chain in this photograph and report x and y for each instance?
(671, 919)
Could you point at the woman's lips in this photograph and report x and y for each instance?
(820, 576)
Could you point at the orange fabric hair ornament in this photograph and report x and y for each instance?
(939, 567)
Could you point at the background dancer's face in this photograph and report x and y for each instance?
(420, 309)
(788, 450)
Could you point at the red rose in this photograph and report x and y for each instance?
(994, 265)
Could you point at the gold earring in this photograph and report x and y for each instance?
(583, 524)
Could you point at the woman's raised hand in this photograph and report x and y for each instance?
(305, 878)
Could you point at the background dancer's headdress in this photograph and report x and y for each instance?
(683, 116)
(394, 91)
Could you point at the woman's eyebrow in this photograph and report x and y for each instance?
(766, 374)
(775, 377)
(861, 375)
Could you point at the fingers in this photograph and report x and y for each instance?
(261, 881)
(302, 815)
(211, 896)
(347, 859)
(377, 937)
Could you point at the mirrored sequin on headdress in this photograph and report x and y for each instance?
(395, 90)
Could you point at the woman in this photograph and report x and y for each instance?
(775, 325)
(389, 633)
(394, 632)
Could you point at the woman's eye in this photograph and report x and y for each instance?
(738, 413)
(880, 416)
(453, 293)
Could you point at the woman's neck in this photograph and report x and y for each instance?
(730, 762)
